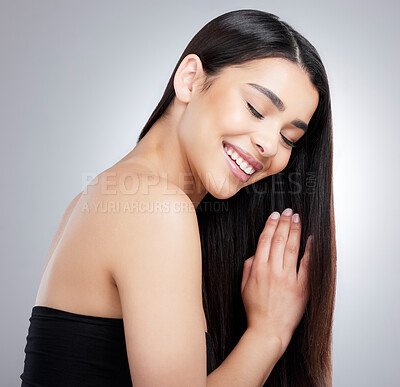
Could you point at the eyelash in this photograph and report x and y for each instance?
(260, 117)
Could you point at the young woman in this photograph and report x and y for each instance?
(177, 266)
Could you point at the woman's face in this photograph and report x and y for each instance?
(257, 110)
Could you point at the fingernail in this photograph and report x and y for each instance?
(275, 215)
(296, 218)
(287, 212)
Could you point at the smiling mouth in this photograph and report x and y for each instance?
(242, 164)
(247, 164)
(235, 168)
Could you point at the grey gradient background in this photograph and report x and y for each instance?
(78, 80)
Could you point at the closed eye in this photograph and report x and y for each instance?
(261, 117)
(255, 112)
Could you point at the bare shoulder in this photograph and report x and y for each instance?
(154, 251)
(119, 203)
(126, 200)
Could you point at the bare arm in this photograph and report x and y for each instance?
(155, 261)
(159, 280)
(249, 364)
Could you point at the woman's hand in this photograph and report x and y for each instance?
(274, 294)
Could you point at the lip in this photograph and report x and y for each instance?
(246, 156)
(235, 169)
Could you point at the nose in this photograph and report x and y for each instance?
(268, 147)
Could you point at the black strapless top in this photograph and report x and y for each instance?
(69, 349)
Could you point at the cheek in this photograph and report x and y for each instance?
(232, 121)
(227, 113)
(279, 162)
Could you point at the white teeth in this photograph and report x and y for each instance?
(239, 161)
(244, 165)
(248, 170)
(243, 169)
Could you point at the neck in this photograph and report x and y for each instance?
(162, 152)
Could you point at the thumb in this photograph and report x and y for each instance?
(247, 265)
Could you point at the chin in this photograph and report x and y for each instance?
(220, 185)
(225, 192)
(222, 196)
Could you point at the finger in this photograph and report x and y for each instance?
(304, 271)
(265, 238)
(291, 254)
(246, 271)
(279, 239)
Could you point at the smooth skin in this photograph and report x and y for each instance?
(274, 294)
(145, 266)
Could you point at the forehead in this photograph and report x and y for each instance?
(283, 77)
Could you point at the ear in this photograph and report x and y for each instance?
(187, 77)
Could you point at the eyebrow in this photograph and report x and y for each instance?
(278, 103)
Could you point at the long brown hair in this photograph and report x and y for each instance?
(230, 228)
